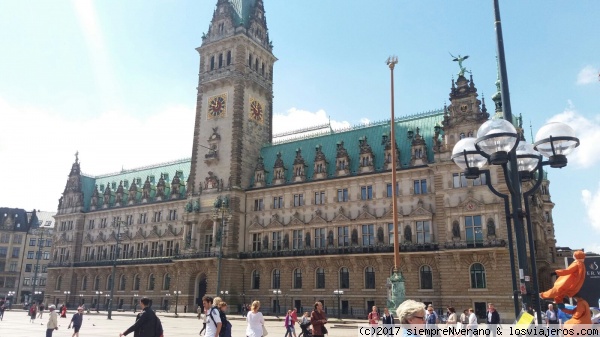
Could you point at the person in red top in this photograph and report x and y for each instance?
(318, 320)
(294, 320)
(374, 316)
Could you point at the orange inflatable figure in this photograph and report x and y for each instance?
(569, 280)
(581, 315)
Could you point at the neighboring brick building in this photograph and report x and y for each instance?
(308, 216)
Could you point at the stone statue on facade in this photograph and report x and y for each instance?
(460, 60)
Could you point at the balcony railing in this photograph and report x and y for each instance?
(475, 244)
(337, 250)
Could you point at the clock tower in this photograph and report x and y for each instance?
(235, 98)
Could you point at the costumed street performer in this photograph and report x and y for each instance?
(569, 280)
(581, 315)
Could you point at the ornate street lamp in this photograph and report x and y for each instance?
(117, 224)
(339, 293)
(135, 301)
(221, 208)
(81, 299)
(67, 293)
(98, 293)
(276, 292)
(177, 293)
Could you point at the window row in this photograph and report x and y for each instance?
(32, 268)
(476, 274)
(124, 282)
(131, 251)
(37, 255)
(40, 242)
(142, 218)
(5, 238)
(220, 60)
(319, 197)
(34, 281)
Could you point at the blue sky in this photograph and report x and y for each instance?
(115, 80)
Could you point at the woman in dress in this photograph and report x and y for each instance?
(318, 320)
(63, 311)
(255, 321)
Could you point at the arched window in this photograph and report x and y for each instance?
(167, 282)
(229, 57)
(344, 278)
(136, 282)
(320, 278)
(478, 276)
(97, 283)
(109, 282)
(58, 283)
(255, 279)
(369, 278)
(212, 63)
(276, 279)
(84, 283)
(122, 282)
(425, 277)
(297, 279)
(151, 281)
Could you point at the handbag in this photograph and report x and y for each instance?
(324, 330)
(265, 332)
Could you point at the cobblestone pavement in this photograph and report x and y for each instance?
(16, 323)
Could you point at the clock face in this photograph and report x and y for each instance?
(217, 106)
(256, 111)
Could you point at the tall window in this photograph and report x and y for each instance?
(320, 198)
(459, 180)
(169, 249)
(388, 189)
(390, 228)
(481, 180)
(297, 238)
(151, 282)
(342, 195)
(208, 240)
(366, 192)
(125, 250)
(474, 232)
(368, 235)
(136, 282)
(255, 279)
(84, 283)
(369, 278)
(167, 282)
(276, 240)
(229, 57)
(258, 204)
(425, 277)
(97, 283)
(277, 202)
(139, 251)
(477, 276)
(423, 232)
(320, 238)
(172, 214)
(122, 282)
(297, 279)
(91, 224)
(153, 249)
(344, 278)
(420, 186)
(343, 236)
(276, 279)
(298, 200)
(320, 278)
(256, 242)
(212, 62)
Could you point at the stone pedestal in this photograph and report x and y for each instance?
(396, 290)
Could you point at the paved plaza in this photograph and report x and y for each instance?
(16, 323)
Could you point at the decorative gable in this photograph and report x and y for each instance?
(340, 216)
(386, 141)
(275, 222)
(255, 225)
(133, 193)
(365, 214)
(470, 205)
(366, 156)
(176, 185)
(279, 171)
(318, 218)
(342, 160)
(299, 167)
(259, 172)
(160, 188)
(320, 169)
(418, 149)
(146, 190)
(296, 220)
(420, 211)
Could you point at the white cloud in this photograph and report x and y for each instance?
(37, 148)
(365, 121)
(587, 75)
(296, 119)
(591, 201)
(588, 132)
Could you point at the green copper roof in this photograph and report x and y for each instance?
(373, 133)
(127, 177)
(242, 9)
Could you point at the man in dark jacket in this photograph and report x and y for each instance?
(492, 318)
(147, 325)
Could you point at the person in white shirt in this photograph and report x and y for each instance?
(213, 319)
(52, 321)
(472, 322)
(255, 321)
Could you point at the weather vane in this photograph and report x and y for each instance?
(460, 60)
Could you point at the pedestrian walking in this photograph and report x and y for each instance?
(63, 311)
(41, 309)
(2, 308)
(255, 320)
(213, 319)
(287, 323)
(147, 325)
(52, 321)
(492, 320)
(76, 321)
(202, 313)
(318, 320)
(32, 312)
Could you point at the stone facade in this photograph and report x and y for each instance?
(302, 222)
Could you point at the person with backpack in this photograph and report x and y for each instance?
(148, 325)
(225, 324)
(373, 316)
(213, 318)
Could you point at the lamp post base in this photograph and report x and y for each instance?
(396, 290)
